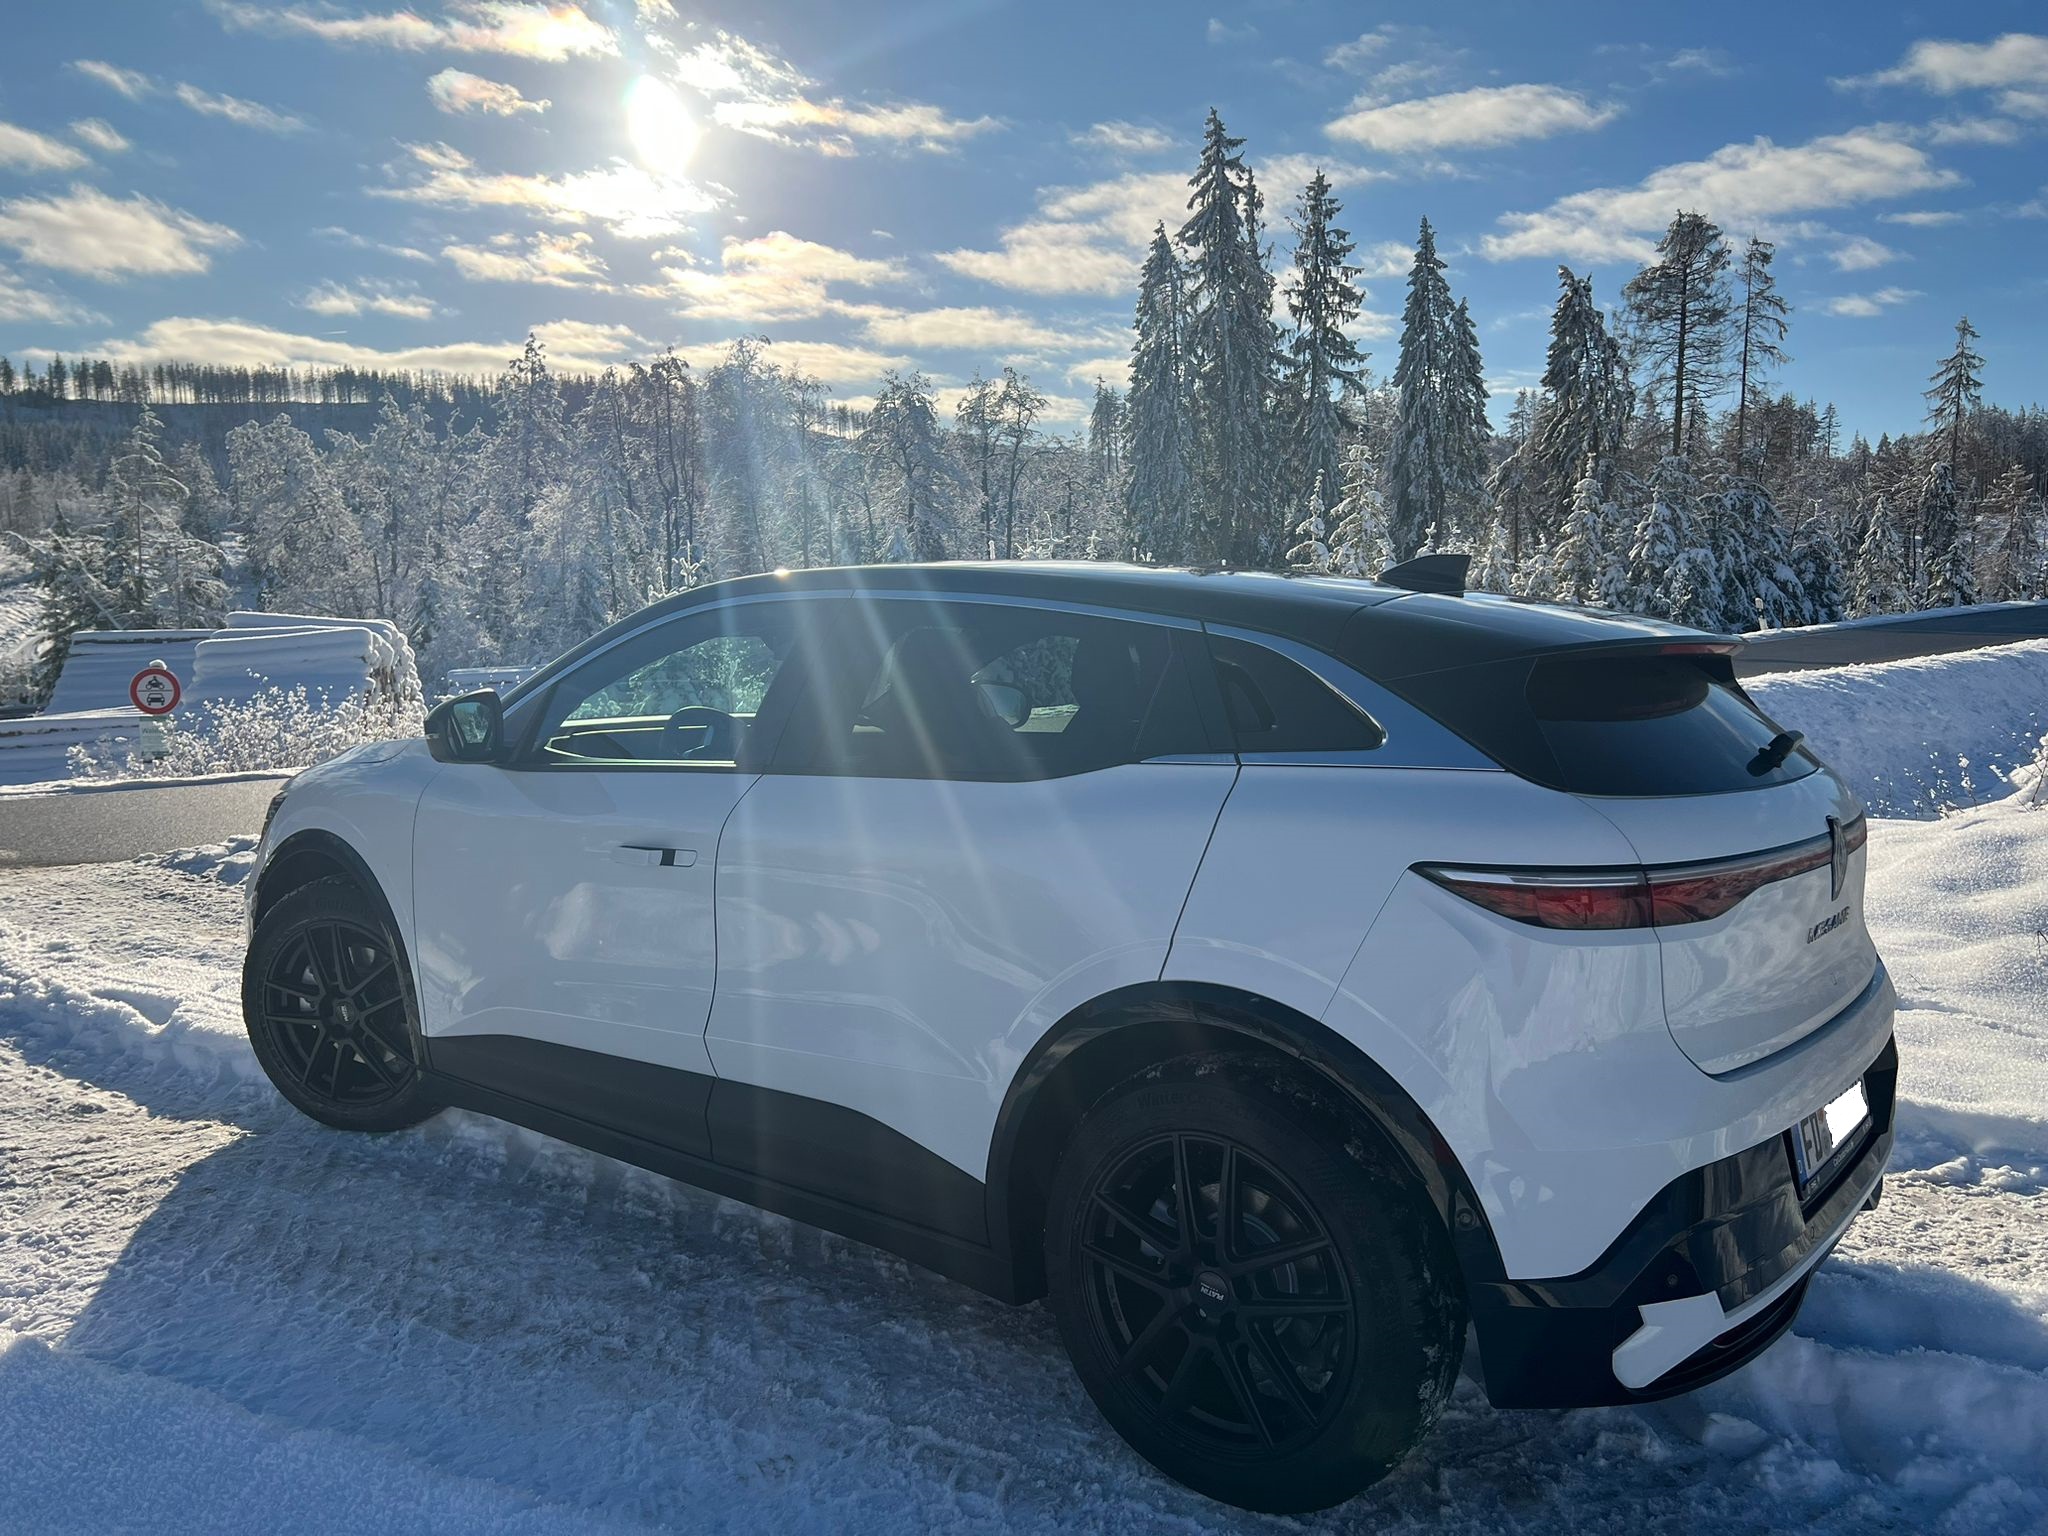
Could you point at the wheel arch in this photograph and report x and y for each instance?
(1111, 1038)
(315, 854)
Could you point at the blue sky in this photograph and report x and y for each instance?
(959, 185)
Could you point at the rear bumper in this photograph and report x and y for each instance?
(1705, 1278)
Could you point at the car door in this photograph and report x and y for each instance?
(565, 939)
(985, 814)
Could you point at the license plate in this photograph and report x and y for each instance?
(1827, 1131)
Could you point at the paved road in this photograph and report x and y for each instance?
(1910, 634)
(104, 823)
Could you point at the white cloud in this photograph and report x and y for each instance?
(2025, 103)
(1484, 116)
(131, 83)
(771, 277)
(87, 231)
(1922, 218)
(249, 114)
(1125, 138)
(1087, 239)
(1384, 258)
(755, 92)
(1861, 306)
(1003, 332)
(1945, 67)
(100, 134)
(573, 346)
(349, 237)
(1360, 51)
(632, 202)
(1220, 32)
(1859, 253)
(23, 149)
(557, 261)
(1974, 130)
(21, 300)
(331, 298)
(1739, 185)
(456, 91)
(528, 29)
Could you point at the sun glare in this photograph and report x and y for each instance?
(664, 134)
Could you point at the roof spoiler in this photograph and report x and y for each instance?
(1429, 573)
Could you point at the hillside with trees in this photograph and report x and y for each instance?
(1662, 466)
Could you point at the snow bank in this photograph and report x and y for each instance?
(228, 863)
(1916, 737)
(37, 749)
(337, 658)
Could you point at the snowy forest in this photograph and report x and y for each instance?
(1662, 467)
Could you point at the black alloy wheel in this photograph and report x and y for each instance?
(1217, 1289)
(327, 999)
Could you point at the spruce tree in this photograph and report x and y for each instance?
(1878, 584)
(1671, 570)
(1955, 389)
(1323, 363)
(1230, 356)
(1681, 306)
(1951, 577)
(2012, 536)
(1436, 464)
(1587, 396)
(1312, 552)
(1579, 561)
(1158, 492)
(1360, 543)
(1760, 334)
(1817, 562)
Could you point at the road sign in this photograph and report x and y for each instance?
(155, 691)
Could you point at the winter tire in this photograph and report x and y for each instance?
(327, 999)
(1253, 1290)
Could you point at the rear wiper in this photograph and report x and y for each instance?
(1774, 755)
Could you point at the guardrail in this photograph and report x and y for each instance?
(1892, 637)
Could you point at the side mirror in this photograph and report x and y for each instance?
(467, 729)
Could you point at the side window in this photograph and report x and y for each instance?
(1277, 705)
(683, 695)
(991, 691)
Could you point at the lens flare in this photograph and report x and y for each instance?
(664, 134)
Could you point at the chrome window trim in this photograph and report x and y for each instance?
(1413, 740)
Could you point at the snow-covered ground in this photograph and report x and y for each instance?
(217, 1315)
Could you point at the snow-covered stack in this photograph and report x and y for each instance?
(334, 659)
(102, 662)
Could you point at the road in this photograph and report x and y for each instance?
(100, 823)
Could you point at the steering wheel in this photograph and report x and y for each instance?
(721, 734)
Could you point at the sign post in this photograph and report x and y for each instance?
(155, 692)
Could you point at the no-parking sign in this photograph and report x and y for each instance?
(155, 691)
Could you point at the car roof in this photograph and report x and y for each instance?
(1382, 629)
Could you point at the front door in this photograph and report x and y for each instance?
(563, 904)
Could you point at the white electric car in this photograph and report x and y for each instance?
(1282, 975)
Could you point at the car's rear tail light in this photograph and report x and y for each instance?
(1564, 899)
(1664, 897)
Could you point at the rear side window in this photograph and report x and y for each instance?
(1277, 705)
(1615, 725)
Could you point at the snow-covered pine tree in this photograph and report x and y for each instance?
(1231, 357)
(1878, 583)
(1312, 552)
(1436, 465)
(165, 577)
(1359, 541)
(1158, 493)
(1955, 389)
(1951, 575)
(1671, 570)
(1587, 398)
(1680, 306)
(1817, 562)
(901, 440)
(1746, 537)
(1581, 561)
(1760, 335)
(1106, 437)
(1323, 364)
(1491, 569)
(2007, 538)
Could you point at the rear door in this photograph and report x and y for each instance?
(1758, 844)
(975, 826)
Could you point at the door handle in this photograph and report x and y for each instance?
(641, 856)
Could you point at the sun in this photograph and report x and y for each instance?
(664, 134)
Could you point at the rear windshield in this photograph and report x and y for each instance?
(1616, 725)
